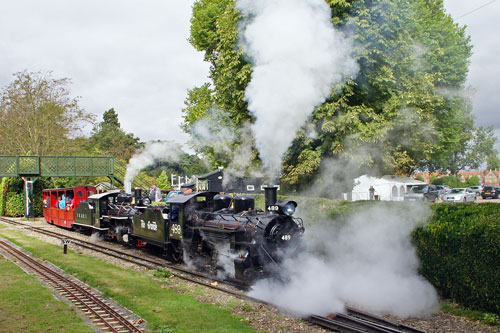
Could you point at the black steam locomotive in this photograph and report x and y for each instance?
(211, 231)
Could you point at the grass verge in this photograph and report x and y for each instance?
(163, 309)
(460, 311)
(27, 306)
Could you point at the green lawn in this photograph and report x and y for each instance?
(164, 309)
(27, 306)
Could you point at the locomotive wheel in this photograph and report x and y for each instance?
(174, 252)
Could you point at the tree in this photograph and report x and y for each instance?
(493, 161)
(163, 182)
(405, 108)
(38, 116)
(214, 30)
(109, 138)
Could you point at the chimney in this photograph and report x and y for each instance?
(271, 195)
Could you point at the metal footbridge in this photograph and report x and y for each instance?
(32, 167)
(57, 166)
(67, 166)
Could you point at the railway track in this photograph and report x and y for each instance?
(353, 320)
(359, 321)
(93, 306)
(182, 273)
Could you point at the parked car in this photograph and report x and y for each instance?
(422, 193)
(443, 189)
(460, 195)
(476, 189)
(490, 192)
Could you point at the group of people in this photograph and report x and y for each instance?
(155, 196)
(62, 202)
(155, 193)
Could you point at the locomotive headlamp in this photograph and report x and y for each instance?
(287, 207)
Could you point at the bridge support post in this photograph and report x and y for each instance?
(28, 197)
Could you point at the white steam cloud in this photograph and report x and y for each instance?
(367, 261)
(152, 152)
(297, 57)
(226, 141)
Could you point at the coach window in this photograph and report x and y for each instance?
(79, 194)
(70, 197)
(53, 199)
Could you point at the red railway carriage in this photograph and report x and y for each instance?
(59, 204)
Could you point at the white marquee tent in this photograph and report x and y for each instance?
(388, 188)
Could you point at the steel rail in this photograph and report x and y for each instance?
(156, 264)
(72, 289)
(354, 321)
(374, 318)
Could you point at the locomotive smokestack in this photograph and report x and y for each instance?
(137, 195)
(271, 193)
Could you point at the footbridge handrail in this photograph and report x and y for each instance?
(56, 166)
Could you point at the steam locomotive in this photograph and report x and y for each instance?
(211, 231)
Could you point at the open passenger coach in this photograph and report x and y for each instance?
(59, 204)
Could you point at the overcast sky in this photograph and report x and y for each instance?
(129, 55)
(482, 18)
(134, 56)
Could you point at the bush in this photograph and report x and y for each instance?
(3, 194)
(453, 181)
(14, 205)
(459, 249)
(459, 252)
(12, 187)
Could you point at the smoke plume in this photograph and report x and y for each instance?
(366, 260)
(151, 153)
(297, 57)
(226, 141)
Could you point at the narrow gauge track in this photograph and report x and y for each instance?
(142, 261)
(354, 321)
(102, 314)
(362, 322)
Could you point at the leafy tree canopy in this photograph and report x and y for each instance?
(406, 107)
(38, 116)
(108, 137)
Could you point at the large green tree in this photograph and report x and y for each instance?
(38, 116)
(109, 138)
(406, 108)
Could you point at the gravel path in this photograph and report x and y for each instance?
(262, 317)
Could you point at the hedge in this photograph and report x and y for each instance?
(14, 205)
(460, 253)
(11, 192)
(459, 249)
(3, 194)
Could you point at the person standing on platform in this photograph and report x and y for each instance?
(155, 194)
(372, 192)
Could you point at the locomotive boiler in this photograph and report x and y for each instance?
(211, 231)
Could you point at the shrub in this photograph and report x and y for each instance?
(14, 205)
(4, 186)
(10, 187)
(459, 251)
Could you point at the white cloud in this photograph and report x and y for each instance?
(133, 56)
(484, 71)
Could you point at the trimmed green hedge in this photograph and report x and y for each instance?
(459, 249)
(3, 191)
(12, 196)
(460, 253)
(14, 205)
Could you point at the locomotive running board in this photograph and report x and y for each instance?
(91, 226)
